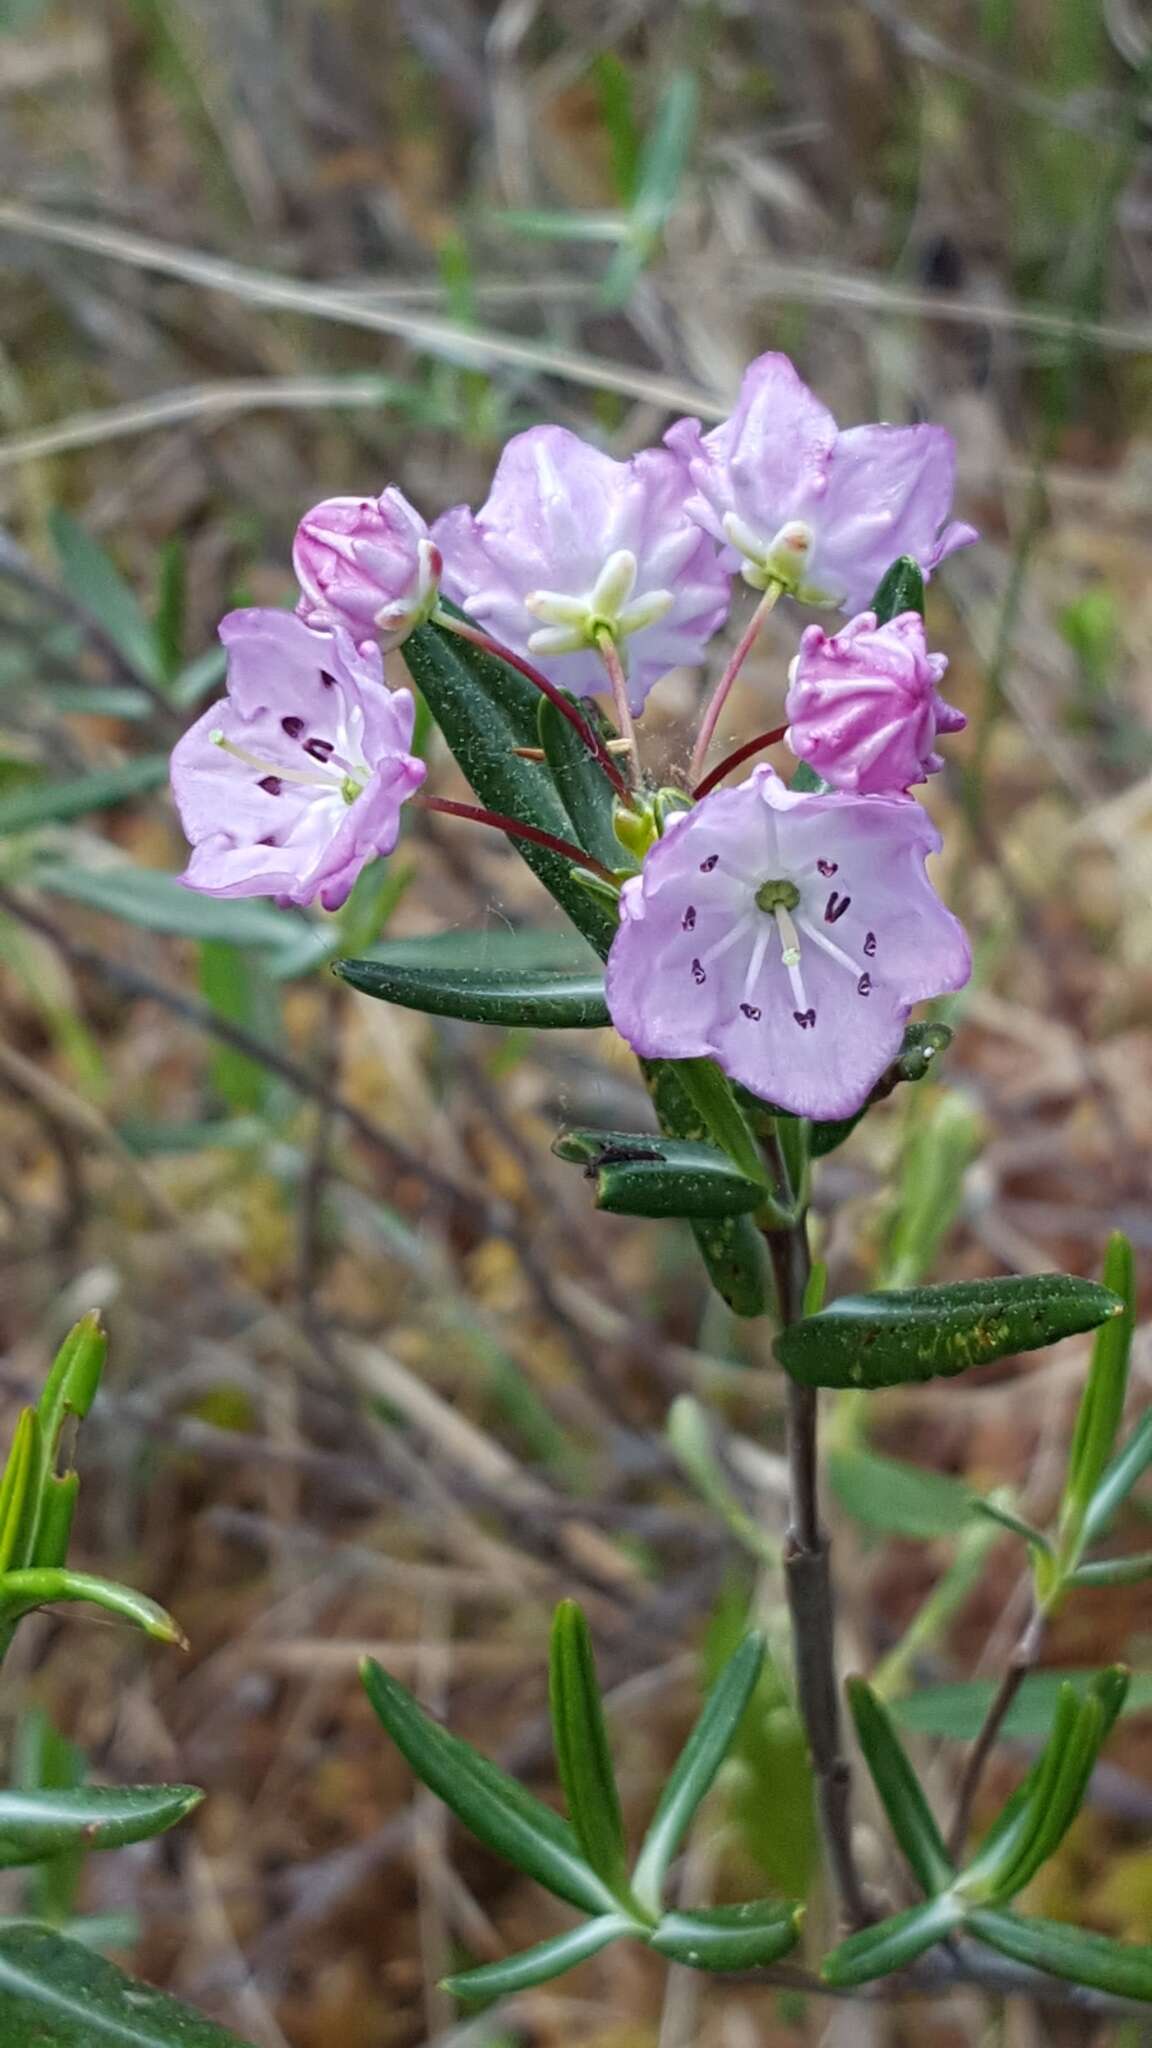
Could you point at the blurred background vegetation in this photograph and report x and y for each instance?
(380, 1378)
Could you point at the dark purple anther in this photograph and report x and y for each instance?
(864, 985)
(828, 867)
(706, 866)
(750, 1011)
(835, 907)
(805, 1019)
(328, 681)
(689, 919)
(271, 784)
(698, 974)
(320, 750)
(870, 946)
(292, 726)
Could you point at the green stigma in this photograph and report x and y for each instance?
(350, 789)
(777, 896)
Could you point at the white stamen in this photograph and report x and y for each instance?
(614, 585)
(297, 775)
(760, 948)
(829, 946)
(790, 953)
(725, 945)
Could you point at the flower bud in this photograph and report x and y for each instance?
(864, 711)
(367, 564)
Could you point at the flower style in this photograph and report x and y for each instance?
(571, 546)
(864, 708)
(821, 513)
(367, 564)
(785, 935)
(296, 779)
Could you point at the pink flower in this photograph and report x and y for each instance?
(296, 779)
(366, 564)
(864, 707)
(821, 512)
(786, 936)
(572, 544)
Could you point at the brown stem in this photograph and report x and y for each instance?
(808, 1581)
(731, 761)
(1021, 1662)
(583, 726)
(516, 829)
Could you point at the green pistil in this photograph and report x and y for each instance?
(350, 789)
(772, 896)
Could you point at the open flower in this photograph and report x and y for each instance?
(367, 564)
(572, 545)
(799, 503)
(296, 779)
(863, 704)
(786, 936)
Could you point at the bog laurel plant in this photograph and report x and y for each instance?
(760, 944)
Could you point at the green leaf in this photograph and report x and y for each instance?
(958, 1711)
(496, 1809)
(540, 1964)
(70, 1389)
(745, 1937)
(1114, 1571)
(901, 590)
(676, 1178)
(1102, 1404)
(1080, 1729)
(486, 710)
(583, 787)
(696, 1767)
(582, 1750)
(56, 1994)
(159, 903)
(538, 1001)
(1127, 1467)
(613, 82)
(921, 1333)
(56, 803)
(902, 1500)
(731, 1247)
(658, 179)
(91, 576)
(712, 1096)
(892, 1944)
(17, 1490)
(1120, 1968)
(996, 1511)
(239, 990)
(23, 1591)
(900, 1791)
(36, 1825)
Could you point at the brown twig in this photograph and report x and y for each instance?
(1021, 1662)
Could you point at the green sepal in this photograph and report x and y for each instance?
(55, 1993)
(731, 1246)
(900, 590)
(695, 1768)
(922, 1333)
(1121, 1969)
(583, 1755)
(532, 1000)
(892, 1944)
(497, 1810)
(900, 1792)
(540, 1964)
(581, 784)
(37, 1825)
(746, 1937)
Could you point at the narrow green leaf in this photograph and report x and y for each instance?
(583, 1754)
(892, 1944)
(958, 1711)
(540, 1964)
(158, 903)
(731, 1247)
(1102, 1404)
(900, 1792)
(17, 1487)
(55, 1994)
(901, 590)
(996, 1511)
(90, 574)
(1127, 1467)
(678, 1179)
(712, 1096)
(35, 1825)
(496, 1809)
(70, 1389)
(901, 1499)
(696, 1767)
(1059, 1790)
(23, 1591)
(658, 179)
(745, 1937)
(1114, 1571)
(532, 1001)
(583, 787)
(1120, 1968)
(57, 803)
(921, 1333)
(613, 83)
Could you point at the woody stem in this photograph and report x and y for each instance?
(516, 829)
(719, 697)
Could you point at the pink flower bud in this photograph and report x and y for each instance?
(863, 705)
(367, 564)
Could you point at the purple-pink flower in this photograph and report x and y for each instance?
(785, 935)
(863, 705)
(822, 513)
(367, 564)
(572, 545)
(296, 779)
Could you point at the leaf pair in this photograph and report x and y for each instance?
(584, 1859)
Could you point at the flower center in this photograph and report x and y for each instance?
(781, 895)
(782, 560)
(570, 623)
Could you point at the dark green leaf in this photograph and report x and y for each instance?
(1114, 1571)
(731, 1247)
(696, 1767)
(486, 710)
(583, 787)
(682, 1179)
(540, 1964)
(892, 1944)
(1102, 1403)
(995, 1511)
(958, 1711)
(498, 1810)
(34, 1825)
(56, 1994)
(921, 1333)
(582, 1751)
(1129, 1465)
(901, 1499)
(56, 803)
(1080, 1729)
(901, 590)
(535, 1001)
(806, 779)
(730, 1937)
(19, 1501)
(714, 1099)
(1117, 1967)
(899, 1789)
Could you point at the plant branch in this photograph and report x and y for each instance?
(1022, 1661)
(731, 761)
(719, 697)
